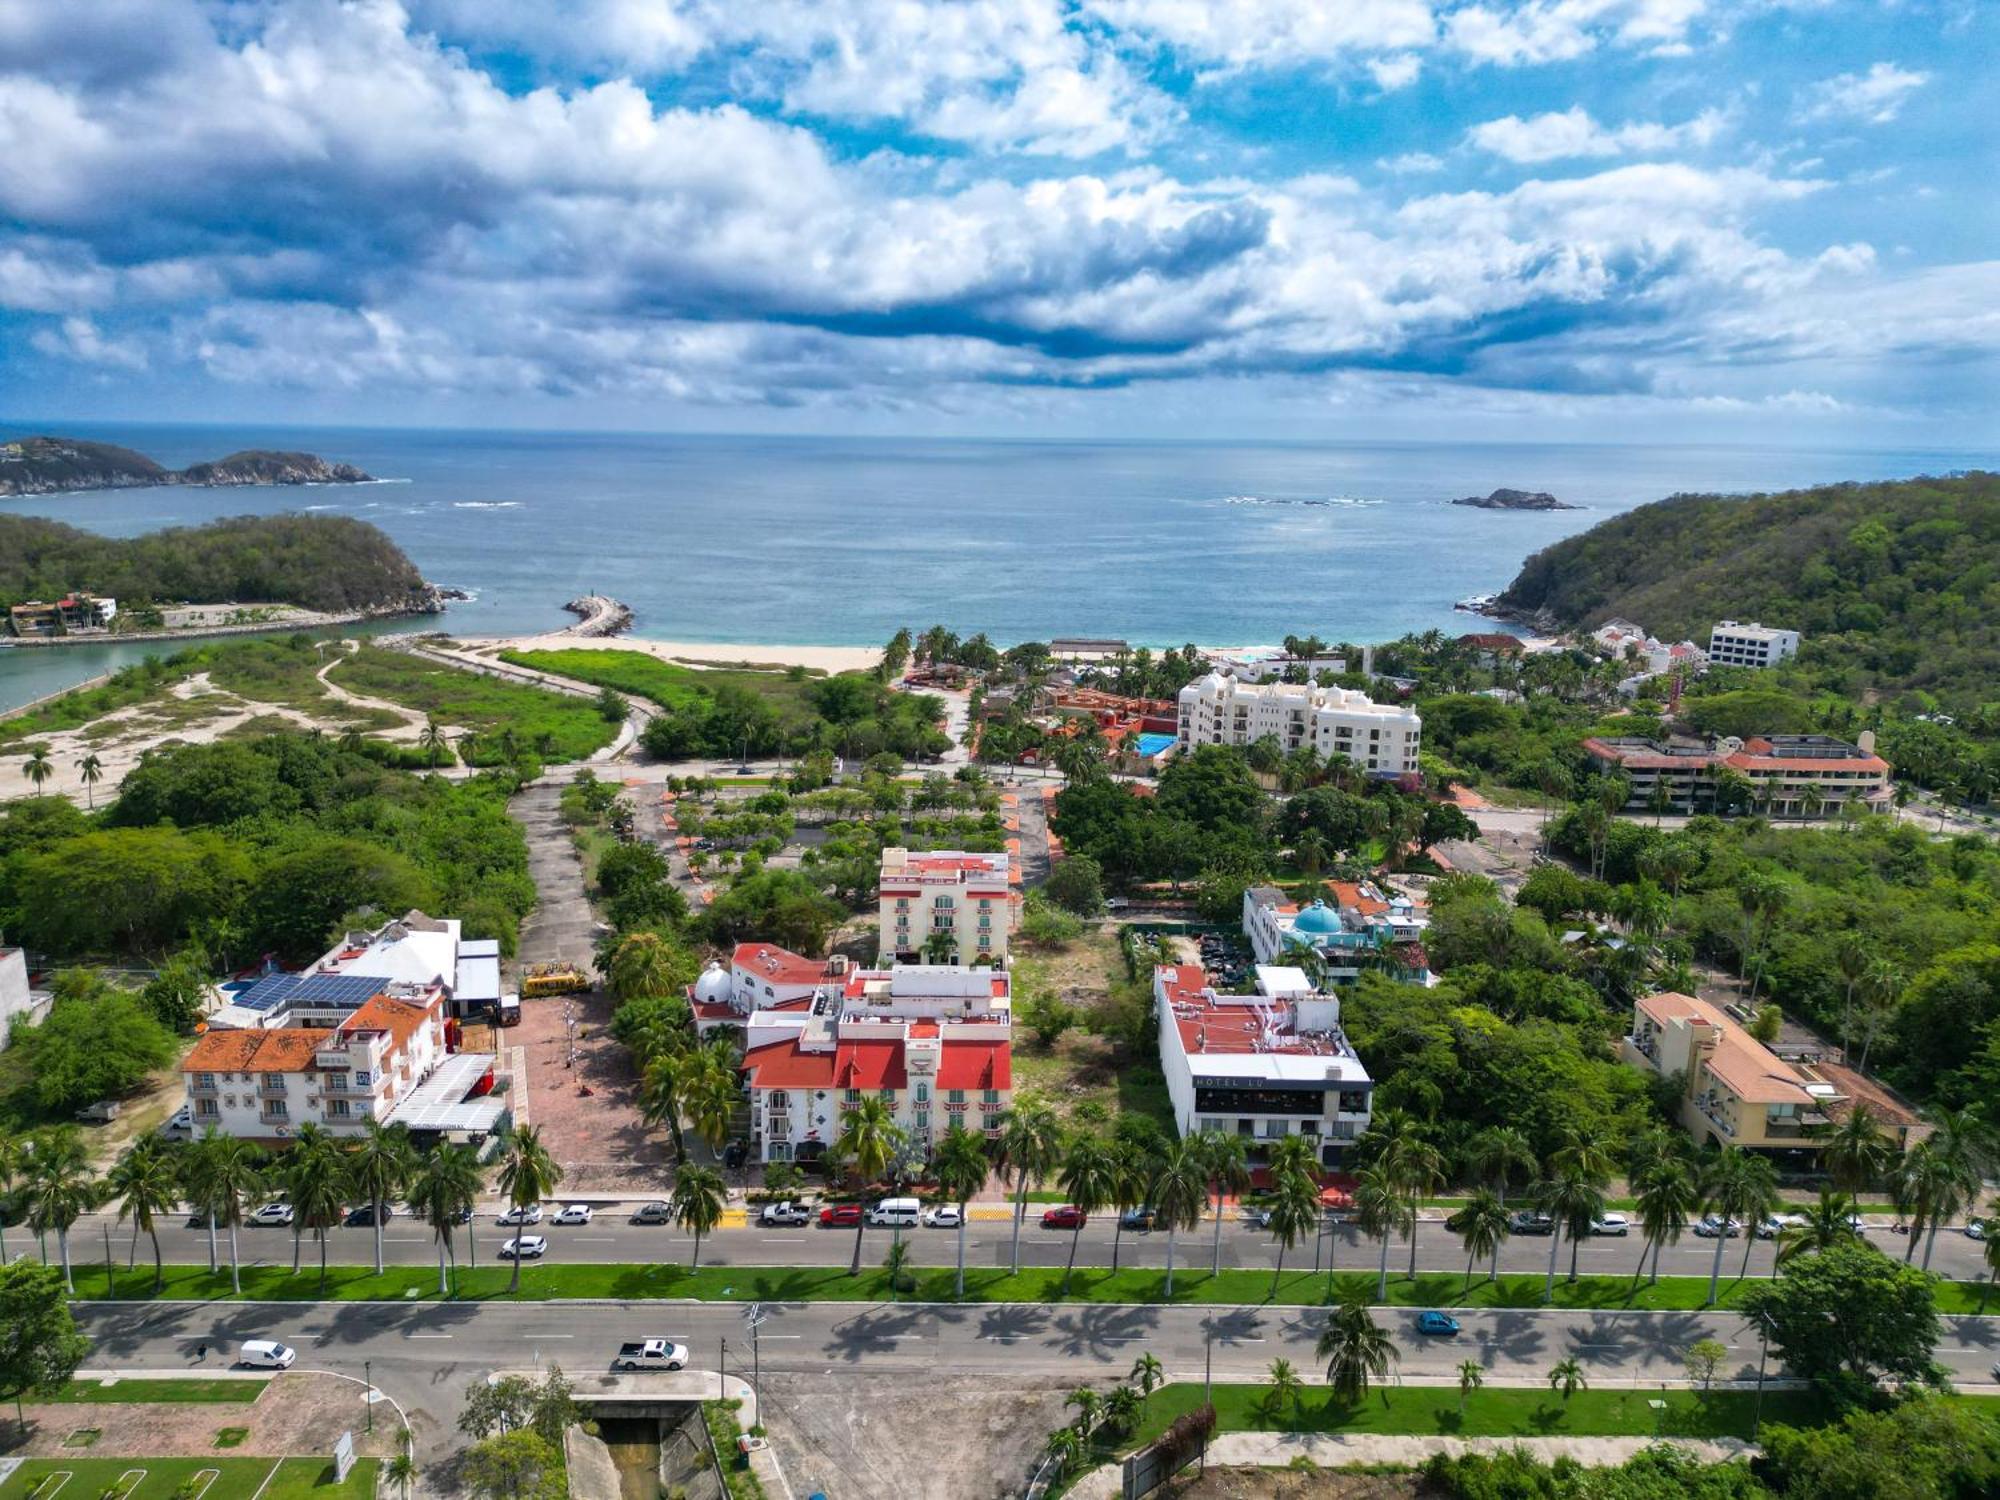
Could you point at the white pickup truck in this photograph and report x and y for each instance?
(651, 1354)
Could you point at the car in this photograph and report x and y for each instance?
(1257, 1218)
(524, 1247)
(1526, 1222)
(781, 1215)
(1977, 1229)
(1138, 1219)
(1856, 1223)
(1067, 1216)
(1711, 1227)
(1611, 1224)
(944, 1216)
(651, 1354)
(656, 1212)
(840, 1216)
(573, 1213)
(364, 1216)
(735, 1154)
(532, 1214)
(1436, 1323)
(272, 1215)
(180, 1124)
(266, 1354)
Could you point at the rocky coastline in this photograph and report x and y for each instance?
(57, 465)
(1505, 499)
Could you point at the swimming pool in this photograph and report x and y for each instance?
(1153, 744)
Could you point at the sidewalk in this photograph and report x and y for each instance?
(1275, 1450)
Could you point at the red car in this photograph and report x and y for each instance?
(840, 1216)
(1069, 1216)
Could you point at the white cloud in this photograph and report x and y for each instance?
(1545, 31)
(1875, 97)
(78, 339)
(1267, 33)
(1573, 133)
(1399, 71)
(1411, 163)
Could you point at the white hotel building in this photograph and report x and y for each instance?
(1381, 738)
(1752, 645)
(968, 898)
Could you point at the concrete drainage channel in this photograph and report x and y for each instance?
(644, 1458)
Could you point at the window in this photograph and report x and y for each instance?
(204, 1080)
(337, 1109)
(955, 1096)
(275, 1107)
(990, 1097)
(888, 1096)
(206, 1108)
(922, 1120)
(779, 1099)
(852, 1096)
(922, 1093)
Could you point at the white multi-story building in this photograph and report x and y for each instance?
(1752, 645)
(1275, 666)
(1262, 1066)
(1362, 929)
(1381, 738)
(933, 1041)
(412, 953)
(967, 898)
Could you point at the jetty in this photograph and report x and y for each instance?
(598, 615)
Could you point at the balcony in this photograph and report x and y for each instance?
(270, 1117)
(197, 1086)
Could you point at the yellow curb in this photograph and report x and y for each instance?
(735, 1218)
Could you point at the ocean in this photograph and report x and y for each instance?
(738, 540)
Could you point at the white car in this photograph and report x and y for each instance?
(180, 1124)
(1614, 1224)
(1977, 1229)
(524, 1247)
(273, 1214)
(575, 1213)
(944, 1216)
(266, 1354)
(532, 1214)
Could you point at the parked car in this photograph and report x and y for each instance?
(272, 1215)
(1068, 1216)
(1612, 1224)
(735, 1154)
(1257, 1218)
(892, 1213)
(1437, 1323)
(840, 1216)
(1711, 1227)
(364, 1216)
(266, 1354)
(532, 1214)
(651, 1354)
(524, 1247)
(1526, 1222)
(656, 1212)
(573, 1213)
(180, 1124)
(777, 1215)
(944, 1216)
(1137, 1219)
(1978, 1229)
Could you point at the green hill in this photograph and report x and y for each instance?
(331, 563)
(1894, 586)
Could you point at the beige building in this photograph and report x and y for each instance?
(1381, 738)
(945, 906)
(1736, 1091)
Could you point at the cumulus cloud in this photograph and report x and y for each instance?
(79, 339)
(1544, 31)
(1573, 133)
(1874, 98)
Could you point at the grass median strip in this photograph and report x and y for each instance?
(540, 1283)
(169, 1478)
(195, 1390)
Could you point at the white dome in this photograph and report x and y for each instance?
(715, 986)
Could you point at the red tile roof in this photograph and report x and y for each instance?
(781, 1065)
(777, 965)
(976, 1065)
(870, 1064)
(399, 1018)
(284, 1049)
(1214, 1029)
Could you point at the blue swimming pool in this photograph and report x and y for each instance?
(1153, 744)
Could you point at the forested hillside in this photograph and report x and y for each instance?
(1894, 585)
(319, 562)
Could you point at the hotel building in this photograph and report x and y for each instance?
(1381, 738)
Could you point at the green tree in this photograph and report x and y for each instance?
(91, 768)
(644, 964)
(1380, 1210)
(697, 1204)
(528, 1174)
(59, 1188)
(1285, 1389)
(40, 1347)
(1567, 1377)
(381, 1165)
(1921, 1448)
(1147, 1374)
(1826, 1224)
(1855, 1153)
(1471, 1377)
(1482, 1226)
(1848, 1317)
(869, 1140)
(38, 768)
(96, 1043)
(663, 1089)
(1179, 1190)
(1225, 1163)
(1029, 1145)
(959, 1166)
(1089, 1179)
(1729, 1187)
(146, 1183)
(1294, 1214)
(442, 1192)
(1356, 1351)
(1667, 1196)
(1076, 884)
(433, 741)
(1703, 1358)
(221, 1174)
(316, 1178)
(516, 1465)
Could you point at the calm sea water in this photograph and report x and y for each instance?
(763, 540)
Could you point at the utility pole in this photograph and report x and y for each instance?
(368, 1390)
(109, 1289)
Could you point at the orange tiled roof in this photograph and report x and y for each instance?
(285, 1049)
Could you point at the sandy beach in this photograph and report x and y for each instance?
(691, 653)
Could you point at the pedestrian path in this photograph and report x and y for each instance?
(1274, 1450)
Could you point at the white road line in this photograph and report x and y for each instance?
(426, 1335)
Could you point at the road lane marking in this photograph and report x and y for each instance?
(426, 1335)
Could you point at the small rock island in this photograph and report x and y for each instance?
(1516, 500)
(55, 465)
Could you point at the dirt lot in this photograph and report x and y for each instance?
(295, 1414)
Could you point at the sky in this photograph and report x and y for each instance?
(1553, 220)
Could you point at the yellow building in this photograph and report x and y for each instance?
(1735, 1090)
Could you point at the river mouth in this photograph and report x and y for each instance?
(634, 1444)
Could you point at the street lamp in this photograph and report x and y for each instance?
(368, 1390)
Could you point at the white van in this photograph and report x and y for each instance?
(893, 1212)
(266, 1354)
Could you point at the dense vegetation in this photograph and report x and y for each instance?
(503, 718)
(328, 563)
(1895, 586)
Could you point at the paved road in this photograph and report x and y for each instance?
(559, 929)
(611, 1238)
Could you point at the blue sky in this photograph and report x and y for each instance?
(1592, 220)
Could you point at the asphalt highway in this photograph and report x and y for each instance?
(612, 1238)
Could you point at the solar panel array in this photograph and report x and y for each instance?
(339, 991)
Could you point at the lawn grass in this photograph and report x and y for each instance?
(1192, 1286)
(234, 1478)
(219, 1392)
(485, 705)
(666, 684)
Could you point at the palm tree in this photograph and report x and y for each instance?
(315, 1174)
(869, 1140)
(10, 1170)
(146, 1182)
(1471, 1376)
(1572, 1201)
(1726, 1191)
(441, 1194)
(1134, 1171)
(1880, 988)
(1483, 1227)
(381, 1165)
(1937, 1177)
(714, 1094)
(528, 1174)
(1086, 1402)
(1667, 1196)
(1494, 1156)
(59, 1188)
(91, 769)
(1089, 1179)
(1855, 1153)
(640, 964)
(1356, 1351)
(38, 768)
(959, 1167)
(1380, 1210)
(1762, 896)
(1760, 1200)
(1122, 1408)
(1567, 1377)
(1991, 1251)
(697, 1202)
(401, 1470)
(1826, 1224)
(1066, 1448)
(667, 1079)
(1294, 1214)
(1225, 1163)
(1147, 1374)
(1029, 1144)
(433, 741)
(1419, 1172)
(1286, 1387)
(1179, 1190)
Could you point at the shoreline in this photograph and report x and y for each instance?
(310, 620)
(690, 653)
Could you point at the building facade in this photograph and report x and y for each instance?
(1787, 775)
(1261, 1066)
(1383, 739)
(1735, 1090)
(1361, 929)
(944, 905)
(1752, 645)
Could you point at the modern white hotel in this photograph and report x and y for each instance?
(1381, 738)
(1752, 645)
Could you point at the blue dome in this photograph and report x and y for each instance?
(1317, 918)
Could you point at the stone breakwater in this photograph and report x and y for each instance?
(598, 615)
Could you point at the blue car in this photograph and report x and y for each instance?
(1436, 1322)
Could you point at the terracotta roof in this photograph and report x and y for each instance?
(975, 1065)
(781, 1065)
(1753, 1072)
(1348, 894)
(399, 1018)
(285, 1049)
(1212, 1029)
(870, 1064)
(1745, 761)
(776, 965)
